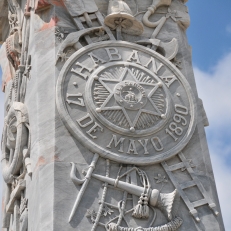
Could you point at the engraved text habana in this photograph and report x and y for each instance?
(113, 55)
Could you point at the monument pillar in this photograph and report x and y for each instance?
(103, 129)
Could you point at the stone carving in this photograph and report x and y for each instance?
(121, 93)
(84, 182)
(130, 90)
(148, 199)
(151, 10)
(195, 182)
(134, 92)
(192, 165)
(15, 143)
(17, 49)
(13, 49)
(93, 215)
(169, 50)
(17, 89)
(120, 18)
(92, 34)
(59, 33)
(23, 215)
(177, 63)
(182, 18)
(73, 39)
(173, 225)
(14, 41)
(16, 163)
(161, 179)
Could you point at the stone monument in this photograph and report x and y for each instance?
(103, 129)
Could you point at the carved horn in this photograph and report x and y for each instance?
(9, 169)
(152, 9)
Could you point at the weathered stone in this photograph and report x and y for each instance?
(104, 129)
(4, 25)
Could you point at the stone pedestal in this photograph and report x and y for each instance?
(104, 129)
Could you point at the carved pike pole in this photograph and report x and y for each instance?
(84, 183)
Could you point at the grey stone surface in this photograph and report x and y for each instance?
(114, 129)
(4, 25)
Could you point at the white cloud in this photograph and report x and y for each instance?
(228, 28)
(214, 89)
(223, 177)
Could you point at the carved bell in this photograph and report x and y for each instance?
(120, 18)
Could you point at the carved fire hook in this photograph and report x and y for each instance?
(152, 9)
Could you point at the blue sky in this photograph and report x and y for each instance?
(210, 37)
(210, 31)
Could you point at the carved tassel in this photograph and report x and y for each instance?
(112, 227)
(141, 211)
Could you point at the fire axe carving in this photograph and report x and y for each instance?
(169, 49)
(148, 197)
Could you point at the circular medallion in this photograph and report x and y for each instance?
(126, 102)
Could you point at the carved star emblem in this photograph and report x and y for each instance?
(145, 104)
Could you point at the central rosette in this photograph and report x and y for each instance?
(130, 95)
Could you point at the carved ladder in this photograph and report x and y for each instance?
(188, 184)
(79, 21)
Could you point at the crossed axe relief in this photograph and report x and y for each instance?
(148, 198)
(168, 49)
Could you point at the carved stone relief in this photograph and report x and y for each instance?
(17, 48)
(142, 103)
(142, 211)
(16, 164)
(120, 18)
(122, 94)
(130, 105)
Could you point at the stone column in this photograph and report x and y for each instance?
(103, 130)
